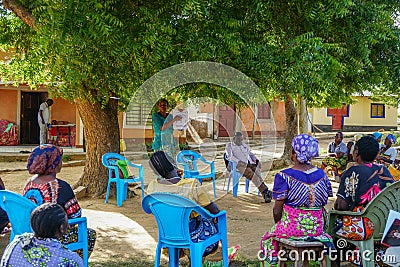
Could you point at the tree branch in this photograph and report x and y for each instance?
(20, 11)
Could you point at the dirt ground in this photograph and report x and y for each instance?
(128, 231)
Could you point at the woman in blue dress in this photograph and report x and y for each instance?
(163, 131)
(42, 248)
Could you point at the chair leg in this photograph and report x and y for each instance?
(236, 178)
(215, 191)
(120, 187)
(229, 181)
(196, 257)
(108, 191)
(367, 245)
(157, 257)
(173, 254)
(247, 185)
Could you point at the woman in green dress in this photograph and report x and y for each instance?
(163, 131)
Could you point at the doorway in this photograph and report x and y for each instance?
(226, 121)
(29, 130)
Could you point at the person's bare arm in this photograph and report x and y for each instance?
(168, 124)
(277, 210)
(212, 208)
(341, 204)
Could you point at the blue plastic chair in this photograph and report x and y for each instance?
(19, 210)
(172, 213)
(235, 176)
(109, 160)
(189, 159)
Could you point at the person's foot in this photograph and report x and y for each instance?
(267, 194)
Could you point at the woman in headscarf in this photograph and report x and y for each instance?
(300, 194)
(44, 163)
(388, 153)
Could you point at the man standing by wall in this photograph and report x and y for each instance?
(43, 120)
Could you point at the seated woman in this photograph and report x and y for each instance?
(42, 248)
(43, 187)
(4, 221)
(300, 194)
(388, 153)
(337, 155)
(358, 186)
(200, 228)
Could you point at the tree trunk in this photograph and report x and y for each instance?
(303, 116)
(101, 133)
(291, 127)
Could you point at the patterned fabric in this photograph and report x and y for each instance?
(44, 159)
(72, 236)
(303, 216)
(56, 191)
(359, 179)
(202, 228)
(27, 250)
(339, 163)
(60, 192)
(359, 185)
(163, 140)
(305, 147)
(302, 189)
(298, 224)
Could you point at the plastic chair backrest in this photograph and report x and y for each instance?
(18, 210)
(109, 160)
(189, 160)
(378, 208)
(172, 214)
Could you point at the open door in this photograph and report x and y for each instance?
(29, 129)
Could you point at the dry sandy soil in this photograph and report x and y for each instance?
(128, 231)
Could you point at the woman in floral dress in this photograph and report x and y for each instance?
(43, 248)
(300, 194)
(359, 185)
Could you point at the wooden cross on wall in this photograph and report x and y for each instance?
(338, 115)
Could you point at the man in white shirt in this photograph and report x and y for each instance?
(247, 164)
(43, 120)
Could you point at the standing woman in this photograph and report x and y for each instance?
(300, 194)
(163, 130)
(44, 187)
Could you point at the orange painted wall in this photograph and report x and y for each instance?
(63, 110)
(8, 110)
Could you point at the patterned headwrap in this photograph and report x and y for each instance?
(305, 147)
(391, 138)
(44, 159)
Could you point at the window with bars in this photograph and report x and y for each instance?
(138, 114)
(264, 111)
(377, 110)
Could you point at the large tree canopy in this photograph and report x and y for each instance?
(93, 51)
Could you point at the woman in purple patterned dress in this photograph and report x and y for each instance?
(300, 194)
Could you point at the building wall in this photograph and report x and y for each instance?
(8, 110)
(63, 110)
(359, 117)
